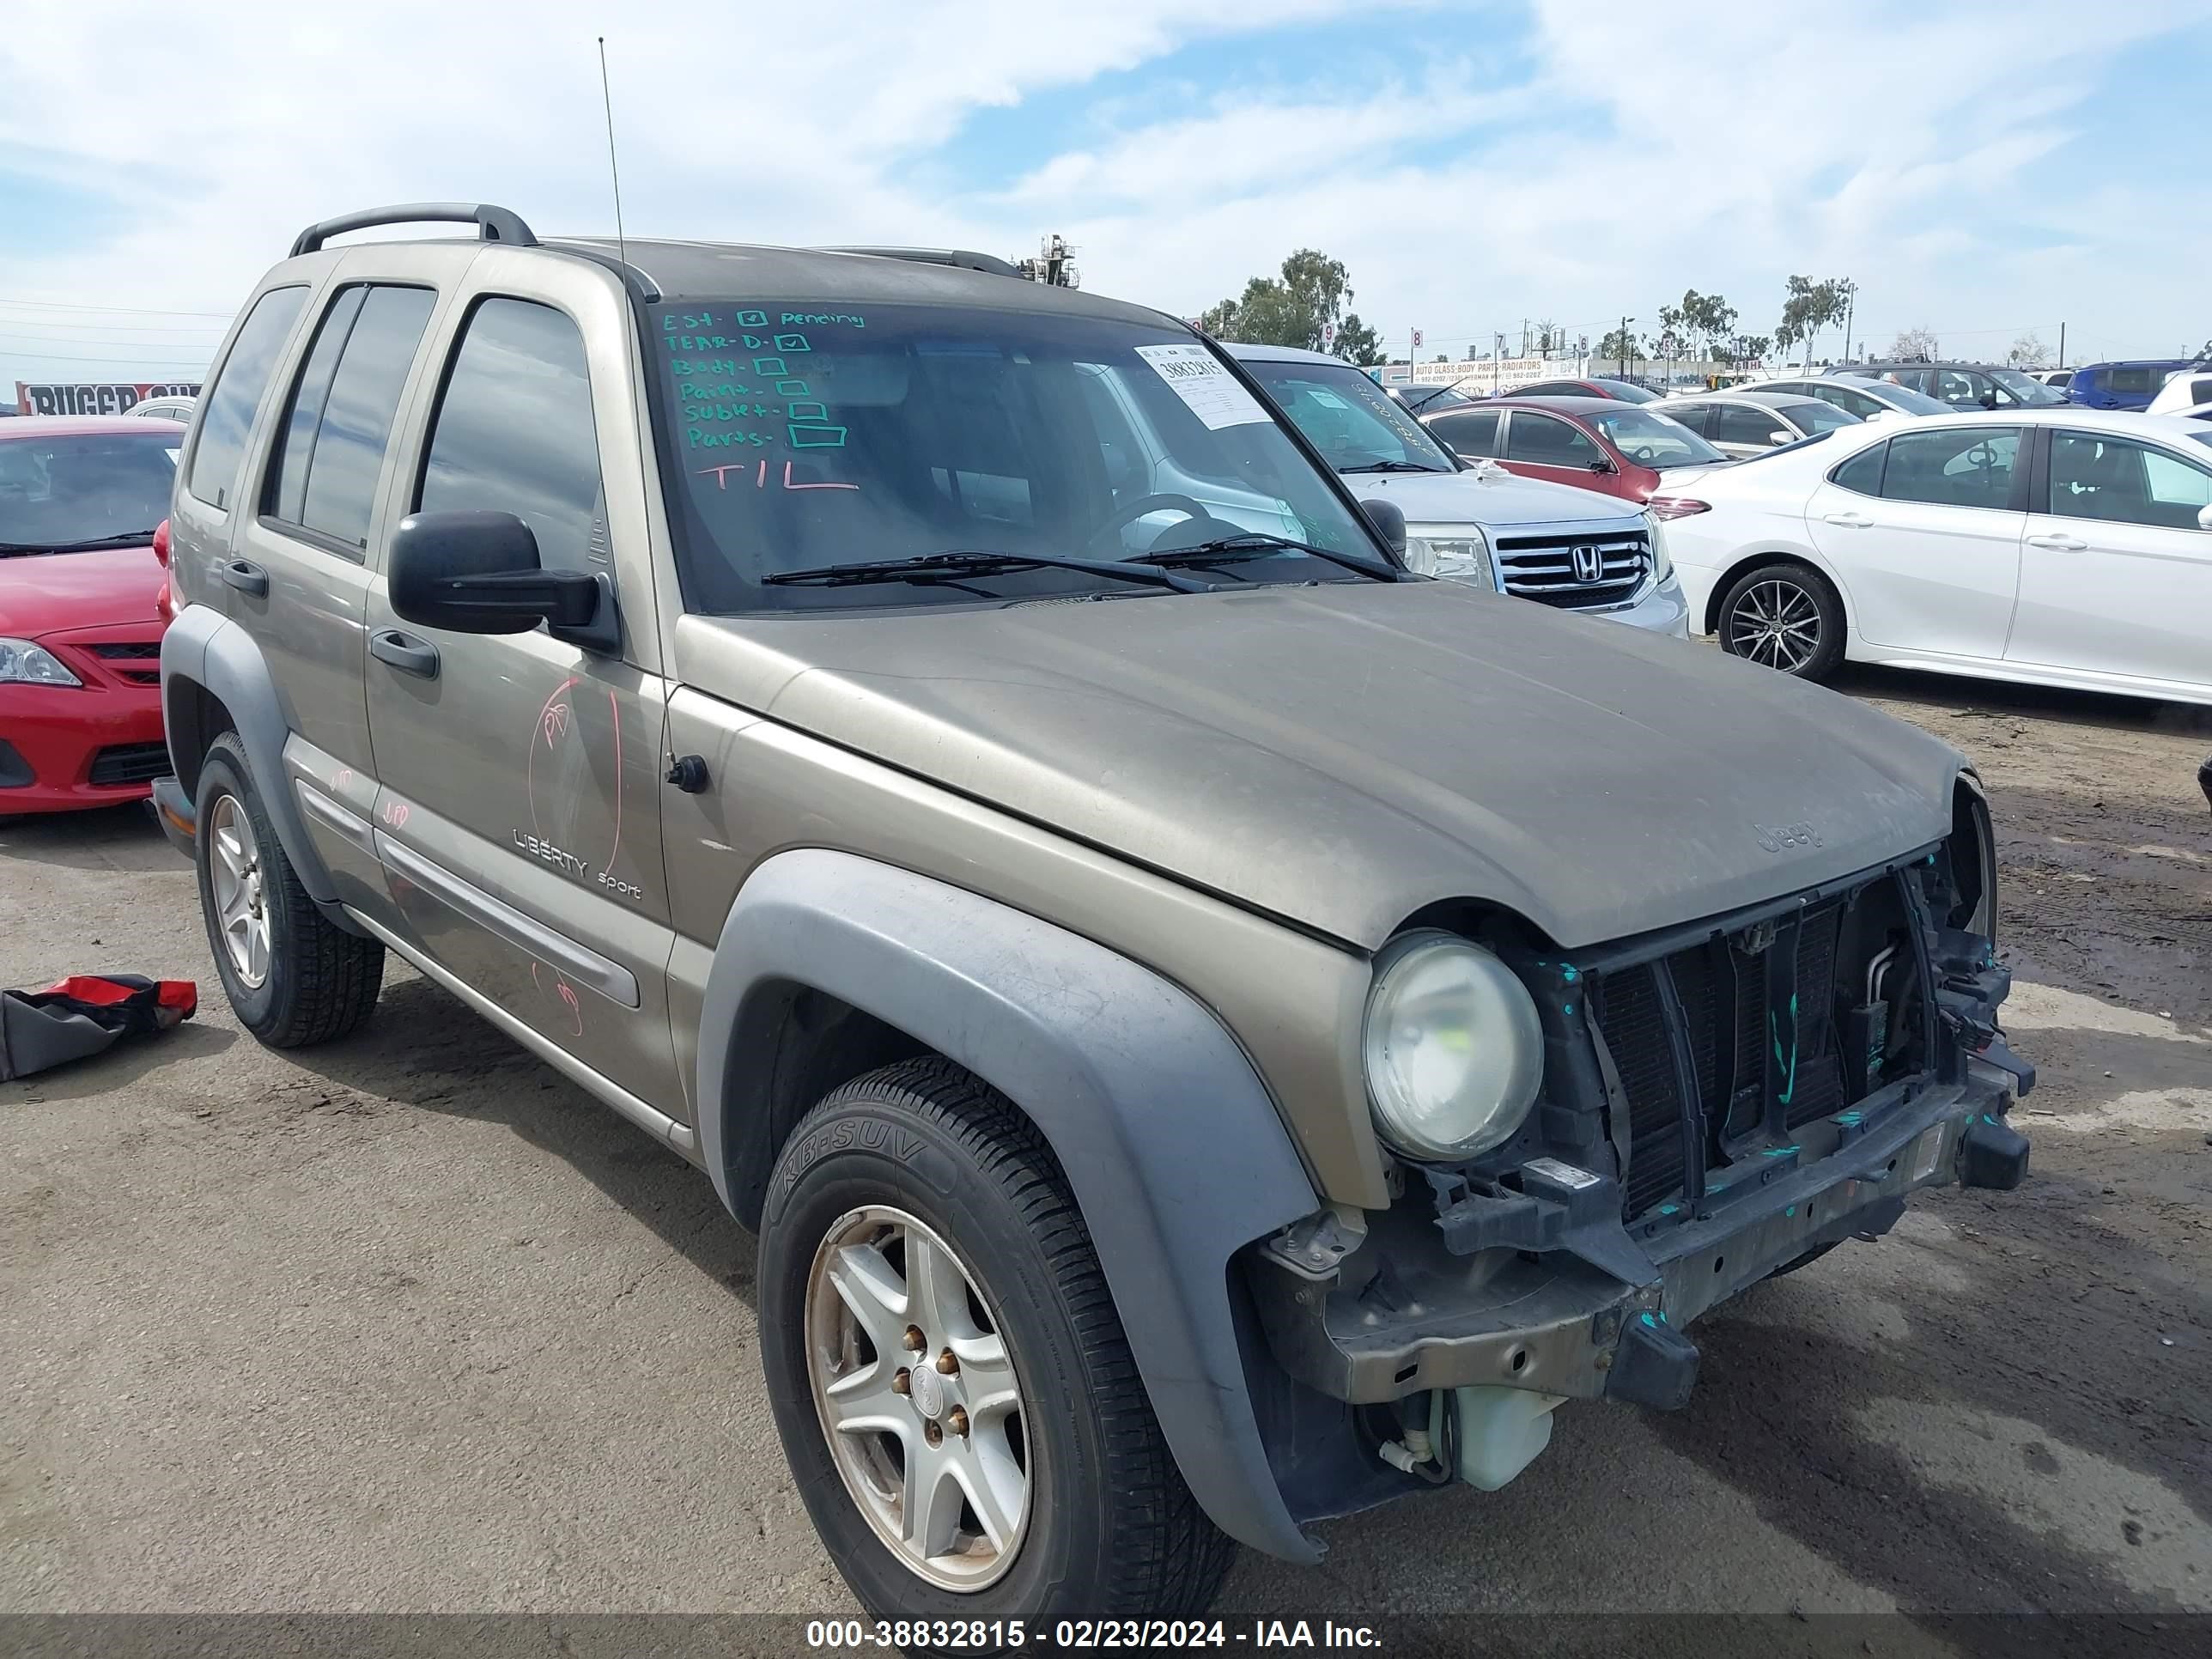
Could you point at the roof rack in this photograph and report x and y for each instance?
(493, 224)
(989, 264)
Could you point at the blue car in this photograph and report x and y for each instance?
(2124, 385)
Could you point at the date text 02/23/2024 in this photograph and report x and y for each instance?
(1009, 1634)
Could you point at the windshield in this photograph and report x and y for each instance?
(1627, 390)
(2028, 390)
(1351, 419)
(1814, 416)
(1646, 436)
(813, 435)
(78, 491)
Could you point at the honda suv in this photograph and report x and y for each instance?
(1214, 1030)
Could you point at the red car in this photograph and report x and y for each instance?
(80, 629)
(1630, 450)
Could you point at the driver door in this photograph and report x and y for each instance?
(1541, 446)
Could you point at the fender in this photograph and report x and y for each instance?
(204, 648)
(1175, 1151)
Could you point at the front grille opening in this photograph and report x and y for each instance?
(1780, 1025)
(1586, 571)
(129, 762)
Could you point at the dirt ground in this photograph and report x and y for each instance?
(408, 1323)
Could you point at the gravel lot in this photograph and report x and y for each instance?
(409, 1323)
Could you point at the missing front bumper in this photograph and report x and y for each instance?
(1402, 1313)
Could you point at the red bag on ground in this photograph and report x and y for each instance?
(83, 1015)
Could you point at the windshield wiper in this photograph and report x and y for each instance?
(1258, 544)
(1392, 467)
(90, 545)
(948, 567)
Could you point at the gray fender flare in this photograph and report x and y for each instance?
(1176, 1153)
(204, 648)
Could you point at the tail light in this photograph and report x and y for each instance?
(1676, 507)
(162, 543)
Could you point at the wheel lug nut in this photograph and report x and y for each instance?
(902, 1381)
(916, 1341)
(932, 1434)
(956, 1420)
(947, 1364)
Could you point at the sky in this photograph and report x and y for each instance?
(1983, 170)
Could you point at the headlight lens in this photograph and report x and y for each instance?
(22, 661)
(1661, 565)
(1457, 552)
(1454, 1052)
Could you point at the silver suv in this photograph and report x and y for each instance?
(1213, 1030)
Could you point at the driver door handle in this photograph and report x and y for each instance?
(2059, 544)
(246, 576)
(404, 653)
(1854, 520)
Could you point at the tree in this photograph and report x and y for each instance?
(1742, 349)
(1810, 307)
(1674, 334)
(2028, 352)
(1618, 347)
(1914, 345)
(1440, 358)
(1548, 337)
(1289, 310)
(1709, 319)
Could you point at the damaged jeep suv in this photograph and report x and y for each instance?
(1213, 1030)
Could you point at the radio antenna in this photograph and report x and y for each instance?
(607, 98)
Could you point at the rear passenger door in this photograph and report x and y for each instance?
(298, 574)
(518, 820)
(1470, 432)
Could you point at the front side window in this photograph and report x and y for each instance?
(1547, 440)
(1698, 417)
(1356, 426)
(230, 398)
(798, 436)
(1958, 467)
(1813, 415)
(513, 432)
(1652, 439)
(1472, 433)
(76, 493)
(1746, 423)
(2124, 481)
(1850, 401)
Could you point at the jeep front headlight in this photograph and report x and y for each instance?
(1454, 1052)
(1457, 552)
(23, 662)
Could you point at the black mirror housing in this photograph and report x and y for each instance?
(1390, 522)
(474, 572)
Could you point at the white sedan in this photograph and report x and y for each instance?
(2058, 547)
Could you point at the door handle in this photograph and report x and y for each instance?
(246, 577)
(2059, 544)
(1853, 520)
(404, 653)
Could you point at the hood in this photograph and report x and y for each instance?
(1497, 498)
(1342, 756)
(45, 592)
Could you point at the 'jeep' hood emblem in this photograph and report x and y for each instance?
(1780, 838)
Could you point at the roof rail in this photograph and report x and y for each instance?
(989, 264)
(493, 224)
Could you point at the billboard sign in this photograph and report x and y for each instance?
(94, 397)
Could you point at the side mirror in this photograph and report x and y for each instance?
(1389, 524)
(2204, 518)
(1780, 438)
(477, 573)
(1603, 464)
(1988, 400)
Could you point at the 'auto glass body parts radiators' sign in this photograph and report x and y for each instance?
(92, 397)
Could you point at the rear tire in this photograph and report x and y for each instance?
(293, 977)
(921, 1163)
(1785, 616)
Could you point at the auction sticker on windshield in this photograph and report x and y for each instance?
(1197, 377)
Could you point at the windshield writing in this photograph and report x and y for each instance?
(813, 435)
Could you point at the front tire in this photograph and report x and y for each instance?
(293, 977)
(1786, 616)
(952, 1386)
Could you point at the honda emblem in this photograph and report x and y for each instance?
(1588, 562)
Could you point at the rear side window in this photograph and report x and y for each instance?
(1959, 466)
(1862, 472)
(514, 433)
(1546, 440)
(342, 410)
(227, 407)
(1475, 433)
(2133, 379)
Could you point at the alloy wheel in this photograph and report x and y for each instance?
(1776, 622)
(918, 1397)
(240, 896)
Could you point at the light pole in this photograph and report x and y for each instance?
(1625, 322)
